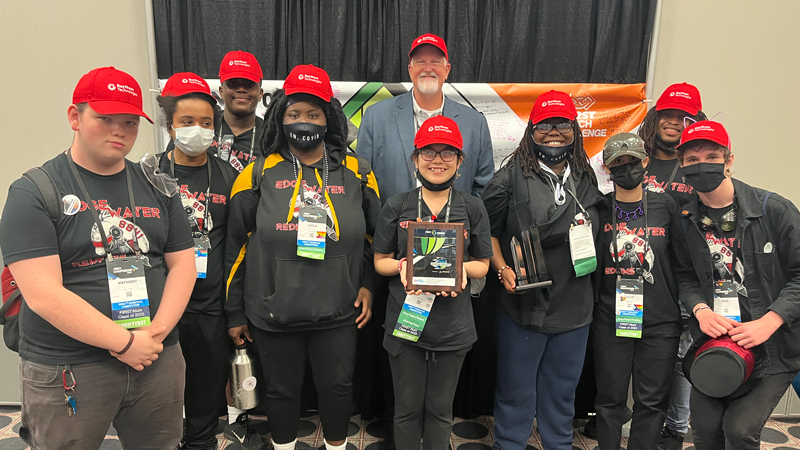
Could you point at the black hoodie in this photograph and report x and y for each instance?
(267, 283)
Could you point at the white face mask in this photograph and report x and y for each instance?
(193, 140)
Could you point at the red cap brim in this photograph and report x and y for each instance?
(113, 107)
(550, 114)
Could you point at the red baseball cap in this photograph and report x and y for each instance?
(110, 91)
(553, 104)
(309, 79)
(439, 130)
(682, 96)
(239, 64)
(183, 83)
(430, 39)
(707, 130)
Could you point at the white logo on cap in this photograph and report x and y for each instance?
(544, 104)
(230, 63)
(185, 80)
(300, 77)
(430, 128)
(701, 128)
(691, 131)
(682, 95)
(239, 62)
(553, 103)
(311, 78)
(111, 87)
(442, 128)
(672, 94)
(427, 38)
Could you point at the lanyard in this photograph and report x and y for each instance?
(204, 228)
(93, 209)
(252, 142)
(572, 193)
(674, 171)
(614, 231)
(558, 188)
(298, 175)
(447, 211)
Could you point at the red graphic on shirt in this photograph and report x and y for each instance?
(721, 256)
(654, 185)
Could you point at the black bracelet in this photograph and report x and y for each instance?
(130, 342)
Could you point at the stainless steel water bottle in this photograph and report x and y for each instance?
(243, 380)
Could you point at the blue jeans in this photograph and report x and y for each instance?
(537, 374)
(678, 411)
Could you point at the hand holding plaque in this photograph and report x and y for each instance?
(435, 257)
(529, 263)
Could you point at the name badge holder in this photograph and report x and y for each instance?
(629, 292)
(202, 244)
(726, 292)
(312, 232)
(127, 284)
(581, 239)
(225, 147)
(413, 316)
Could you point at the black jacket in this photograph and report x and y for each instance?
(267, 283)
(515, 203)
(772, 279)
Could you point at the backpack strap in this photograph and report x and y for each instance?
(258, 173)
(7, 305)
(225, 173)
(47, 188)
(766, 219)
(364, 168)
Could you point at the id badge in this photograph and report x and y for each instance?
(311, 232)
(629, 307)
(581, 247)
(413, 316)
(726, 300)
(201, 248)
(127, 286)
(225, 146)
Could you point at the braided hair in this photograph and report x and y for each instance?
(273, 139)
(649, 128)
(526, 157)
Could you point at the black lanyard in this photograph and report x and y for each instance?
(572, 193)
(93, 209)
(204, 228)
(301, 190)
(447, 211)
(614, 231)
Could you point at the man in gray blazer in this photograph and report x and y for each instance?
(386, 134)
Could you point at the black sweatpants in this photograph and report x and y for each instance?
(651, 362)
(424, 385)
(735, 422)
(206, 349)
(332, 355)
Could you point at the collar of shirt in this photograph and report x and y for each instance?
(421, 115)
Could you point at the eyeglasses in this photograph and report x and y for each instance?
(430, 155)
(236, 83)
(563, 128)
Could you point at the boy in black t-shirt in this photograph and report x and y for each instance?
(738, 247)
(104, 284)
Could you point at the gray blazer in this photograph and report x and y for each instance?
(386, 139)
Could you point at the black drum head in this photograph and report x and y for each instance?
(718, 372)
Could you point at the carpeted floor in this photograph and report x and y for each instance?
(473, 434)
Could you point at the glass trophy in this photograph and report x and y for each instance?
(529, 262)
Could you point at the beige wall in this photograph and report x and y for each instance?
(48, 46)
(744, 56)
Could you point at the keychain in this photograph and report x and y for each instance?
(69, 391)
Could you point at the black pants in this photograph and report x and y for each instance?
(735, 422)
(424, 385)
(283, 357)
(206, 349)
(651, 361)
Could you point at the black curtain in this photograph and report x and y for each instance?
(491, 41)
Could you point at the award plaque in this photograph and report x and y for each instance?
(529, 262)
(435, 256)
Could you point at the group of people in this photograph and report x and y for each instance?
(270, 233)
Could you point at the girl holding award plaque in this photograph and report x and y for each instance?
(431, 241)
(543, 201)
(637, 321)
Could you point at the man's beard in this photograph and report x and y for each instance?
(428, 84)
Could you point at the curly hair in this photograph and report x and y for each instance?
(273, 138)
(526, 157)
(649, 128)
(170, 104)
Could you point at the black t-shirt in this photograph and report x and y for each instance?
(658, 179)
(27, 232)
(240, 155)
(652, 262)
(450, 325)
(209, 294)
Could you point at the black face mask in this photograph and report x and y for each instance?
(552, 155)
(435, 187)
(705, 177)
(304, 136)
(628, 176)
(669, 149)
